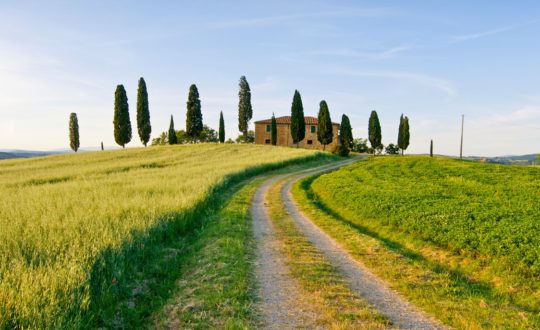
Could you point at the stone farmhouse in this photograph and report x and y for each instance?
(263, 133)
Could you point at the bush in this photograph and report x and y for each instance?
(341, 151)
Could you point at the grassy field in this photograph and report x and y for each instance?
(77, 228)
(459, 239)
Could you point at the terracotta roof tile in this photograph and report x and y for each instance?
(287, 120)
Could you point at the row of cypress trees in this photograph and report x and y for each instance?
(121, 120)
(375, 134)
(325, 133)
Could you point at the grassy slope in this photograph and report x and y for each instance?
(74, 227)
(388, 213)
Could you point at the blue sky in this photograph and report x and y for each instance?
(431, 60)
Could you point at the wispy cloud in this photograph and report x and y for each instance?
(433, 82)
(270, 20)
(482, 34)
(385, 54)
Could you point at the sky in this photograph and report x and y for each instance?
(430, 60)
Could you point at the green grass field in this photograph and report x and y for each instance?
(459, 239)
(76, 227)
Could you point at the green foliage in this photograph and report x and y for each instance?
(94, 222)
(221, 128)
(392, 149)
(249, 138)
(360, 146)
(194, 120)
(172, 133)
(374, 131)
(245, 111)
(345, 133)
(298, 122)
(431, 148)
(143, 113)
(273, 129)
(341, 151)
(207, 135)
(74, 132)
(325, 133)
(121, 122)
(403, 135)
(487, 209)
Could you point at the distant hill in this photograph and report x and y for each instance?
(509, 160)
(8, 154)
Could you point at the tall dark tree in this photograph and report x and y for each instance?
(172, 133)
(74, 132)
(374, 131)
(345, 133)
(431, 149)
(403, 135)
(194, 121)
(298, 122)
(121, 122)
(325, 132)
(102, 146)
(143, 113)
(245, 110)
(221, 128)
(273, 130)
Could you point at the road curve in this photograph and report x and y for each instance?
(374, 290)
(278, 291)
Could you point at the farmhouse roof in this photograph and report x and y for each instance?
(287, 120)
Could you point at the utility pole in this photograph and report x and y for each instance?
(461, 146)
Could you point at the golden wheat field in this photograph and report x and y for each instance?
(68, 222)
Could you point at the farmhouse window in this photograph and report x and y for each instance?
(313, 128)
(310, 141)
(268, 128)
(267, 141)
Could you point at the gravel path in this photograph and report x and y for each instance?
(400, 312)
(281, 304)
(277, 289)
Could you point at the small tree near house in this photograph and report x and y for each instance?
(273, 129)
(298, 122)
(325, 133)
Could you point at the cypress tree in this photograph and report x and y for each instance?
(194, 122)
(400, 133)
(431, 149)
(121, 122)
(325, 133)
(374, 131)
(74, 132)
(403, 136)
(298, 122)
(102, 146)
(245, 111)
(172, 133)
(345, 133)
(143, 113)
(221, 128)
(273, 129)
(406, 134)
